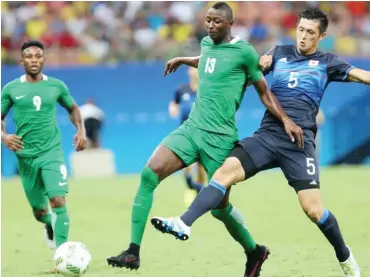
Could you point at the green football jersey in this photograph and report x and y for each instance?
(224, 71)
(34, 112)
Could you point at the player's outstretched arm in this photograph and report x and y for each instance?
(76, 118)
(173, 109)
(13, 142)
(174, 64)
(67, 102)
(273, 106)
(359, 76)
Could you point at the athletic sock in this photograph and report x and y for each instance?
(197, 187)
(329, 227)
(189, 180)
(142, 204)
(60, 224)
(208, 198)
(134, 249)
(236, 227)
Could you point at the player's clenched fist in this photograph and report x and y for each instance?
(13, 142)
(265, 62)
(294, 132)
(80, 141)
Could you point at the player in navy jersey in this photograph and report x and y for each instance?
(181, 106)
(300, 76)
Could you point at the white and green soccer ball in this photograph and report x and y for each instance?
(72, 259)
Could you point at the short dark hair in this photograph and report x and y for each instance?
(31, 43)
(316, 14)
(226, 8)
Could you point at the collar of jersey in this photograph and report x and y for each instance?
(233, 41)
(23, 78)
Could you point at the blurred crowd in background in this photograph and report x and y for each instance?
(109, 32)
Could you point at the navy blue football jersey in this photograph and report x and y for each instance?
(299, 82)
(184, 97)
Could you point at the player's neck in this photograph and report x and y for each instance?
(33, 79)
(308, 53)
(226, 39)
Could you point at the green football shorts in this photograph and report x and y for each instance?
(43, 176)
(191, 144)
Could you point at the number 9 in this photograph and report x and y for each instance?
(37, 102)
(63, 171)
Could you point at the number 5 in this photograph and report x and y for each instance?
(311, 169)
(293, 79)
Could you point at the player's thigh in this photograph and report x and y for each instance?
(255, 154)
(30, 174)
(54, 174)
(181, 143)
(214, 149)
(299, 166)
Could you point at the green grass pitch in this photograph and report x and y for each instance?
(100, 213)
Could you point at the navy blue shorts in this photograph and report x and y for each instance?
(270, 148)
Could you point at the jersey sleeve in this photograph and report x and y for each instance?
(338, 70)
(177, 97)
(6, 101)
(251, 63)
(65, 99)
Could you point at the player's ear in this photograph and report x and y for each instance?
(231, 22)
(323, 35)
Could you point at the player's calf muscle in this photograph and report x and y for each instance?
(311, 203)
(229, 173)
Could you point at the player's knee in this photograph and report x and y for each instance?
(57, 201)
(221, 212)
(314, 213)
(218, 214)
(149, 178)
(39, 214)
(223, 204)
(156, 168)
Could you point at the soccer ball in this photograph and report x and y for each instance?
(72, 259)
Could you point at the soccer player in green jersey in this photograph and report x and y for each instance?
(225, 66)
(37, 142)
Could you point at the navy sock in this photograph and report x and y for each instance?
(207, 199)
(197, 187)
(189, 180)
(330, 228)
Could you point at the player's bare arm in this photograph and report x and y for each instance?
(294, 132)
(174, 64)
(359, 76)
(12, 142)
(173, 109)
(265, 63)
(80, 137)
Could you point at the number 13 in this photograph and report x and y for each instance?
(210, 65)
